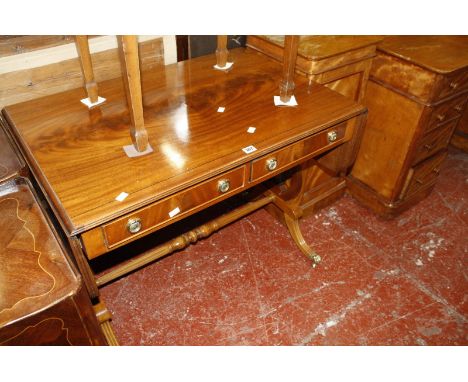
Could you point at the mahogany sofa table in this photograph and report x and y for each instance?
(105, 199)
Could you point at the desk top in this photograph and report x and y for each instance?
(441, 54)
(77, 154)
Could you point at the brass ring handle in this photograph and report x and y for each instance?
(271, 164)
(134, 225)
(223, 185)
(453, 85)
(458, 108)
(332, 136)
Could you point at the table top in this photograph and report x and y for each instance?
(441, 54)
(315, 48)
(77, 153)
(34, 271)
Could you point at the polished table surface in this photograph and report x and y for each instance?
(77, 153)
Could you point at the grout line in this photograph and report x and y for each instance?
(460, 317)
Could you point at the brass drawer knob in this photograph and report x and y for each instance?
(428, 147)
(332, 136)
(223, 186)
(134, 225)
(440, 117)
(271, 164)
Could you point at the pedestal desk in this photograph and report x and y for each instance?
(200, 156)
(341, 63)
(417, 93)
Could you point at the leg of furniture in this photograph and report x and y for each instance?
(132, 81)
(286, 88)
(221, 51)
(104, 317)
(87, 68)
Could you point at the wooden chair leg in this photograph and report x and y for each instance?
(221, 52)
(82, 46)
(289, 64)
(131, 69)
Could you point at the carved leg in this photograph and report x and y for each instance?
(289, 212)
(295, 231)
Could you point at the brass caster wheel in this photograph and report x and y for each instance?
(316, 259)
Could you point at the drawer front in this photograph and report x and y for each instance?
(280, 160)
(446, 112)
(423, 174)
(454, 84)
(173, 208)
(434, 141)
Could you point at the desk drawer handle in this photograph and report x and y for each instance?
(271, 164)
(458, 108)
(453, 85)
(332, 136)
(134, 225)
(223, 186)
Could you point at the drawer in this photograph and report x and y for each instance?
(454, 84)
(280, 160)
(434, 141)
(446, 112)
(422, 175)
(165, 211)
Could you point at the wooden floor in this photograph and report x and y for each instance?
(396, 282)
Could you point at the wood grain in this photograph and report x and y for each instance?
(221, 51)
(42, 301)
(181, 101)
(132, 80)
(417, 93)
(286, 88)
(84, 55)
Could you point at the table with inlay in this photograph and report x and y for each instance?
(105, 200)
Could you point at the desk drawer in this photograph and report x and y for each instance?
(173, 208)
(434, 141)
(423, 174)
(454, 84)
(280, 160)
(446, 112)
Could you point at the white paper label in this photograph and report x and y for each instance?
(121, 197)
(249, 149)
(251, 130)
(174, 212)
(221, 109)
(292, 101)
